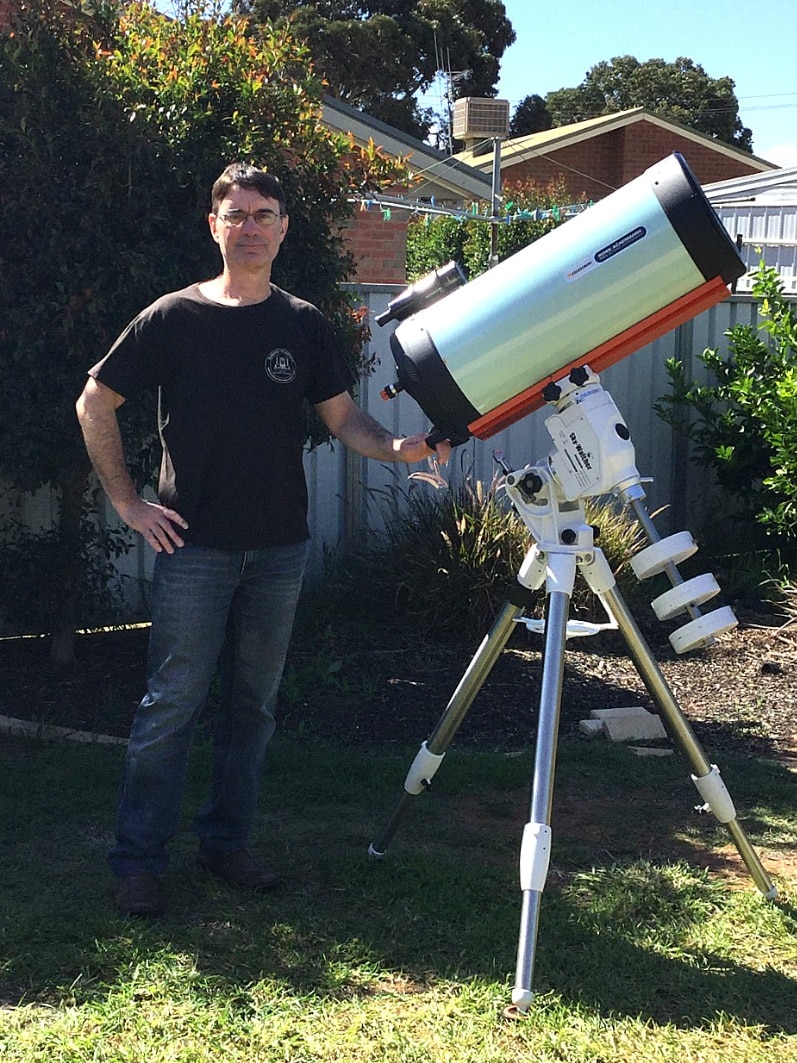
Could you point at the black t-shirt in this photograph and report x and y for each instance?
(232, 382)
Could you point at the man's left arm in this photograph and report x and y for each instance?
(359, 431)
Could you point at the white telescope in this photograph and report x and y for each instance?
(629, 269)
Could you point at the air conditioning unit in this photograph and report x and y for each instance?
(476, 118)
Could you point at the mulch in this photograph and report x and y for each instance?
(740, 693)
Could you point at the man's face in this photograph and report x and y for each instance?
(243, 242)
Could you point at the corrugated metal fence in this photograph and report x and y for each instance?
(351, 498)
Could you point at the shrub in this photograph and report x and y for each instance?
(446, 566)
(32, 574)
(784, 599)
(529, 212)
(744, 426)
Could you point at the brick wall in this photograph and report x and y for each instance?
(379, 246)
(612, 159)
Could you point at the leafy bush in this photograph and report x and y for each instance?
(744, 426)
(446, 566)
(34, 574)
(529, 212)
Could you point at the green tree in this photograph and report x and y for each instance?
(530, 211)
(113, 125)
(530, 116)
(744, 426)
(379, 54)
(71, 257)
(681, 91)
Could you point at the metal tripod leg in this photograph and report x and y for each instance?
(433, 749)
(558, 569)
(536, 844)
(705, 775)
(535, 848)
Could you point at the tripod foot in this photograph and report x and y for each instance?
(521, 1000)
(513, 1013)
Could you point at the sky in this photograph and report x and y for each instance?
(753, 44)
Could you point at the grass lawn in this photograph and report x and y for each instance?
(652, 944)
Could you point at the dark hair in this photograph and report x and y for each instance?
(242, 175)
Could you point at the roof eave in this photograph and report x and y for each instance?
(427, 163)
(531, 146)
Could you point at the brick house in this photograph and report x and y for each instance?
(595, 157)
(591, 158)
(379, 241)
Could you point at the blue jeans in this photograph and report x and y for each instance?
(209, 607)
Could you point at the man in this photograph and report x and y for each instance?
(233, 359)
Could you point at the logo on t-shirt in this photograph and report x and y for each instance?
(281, 366)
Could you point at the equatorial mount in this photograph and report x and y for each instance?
(593, 455)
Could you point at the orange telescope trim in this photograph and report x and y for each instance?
(620, 346)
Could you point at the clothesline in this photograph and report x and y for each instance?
(387, 204)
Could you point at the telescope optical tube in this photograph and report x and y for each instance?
(630, 268)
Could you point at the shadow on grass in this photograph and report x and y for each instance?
(625, 939)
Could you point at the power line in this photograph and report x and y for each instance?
(768, 95)
(740, 105)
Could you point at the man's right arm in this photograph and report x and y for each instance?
(96, 411)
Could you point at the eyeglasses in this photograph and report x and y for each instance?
(264, 219)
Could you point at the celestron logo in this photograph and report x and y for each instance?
(573, 273)
(607, 252)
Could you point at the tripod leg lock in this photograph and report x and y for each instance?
(714, 792)
(535, 855)
(422, 770)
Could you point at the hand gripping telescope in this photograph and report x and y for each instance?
(639, 263)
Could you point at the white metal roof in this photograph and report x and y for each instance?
(760, 213)
(773, 186)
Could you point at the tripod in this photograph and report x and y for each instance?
(593, 455)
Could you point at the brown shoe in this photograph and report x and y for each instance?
(139, 894)
(237, 869)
